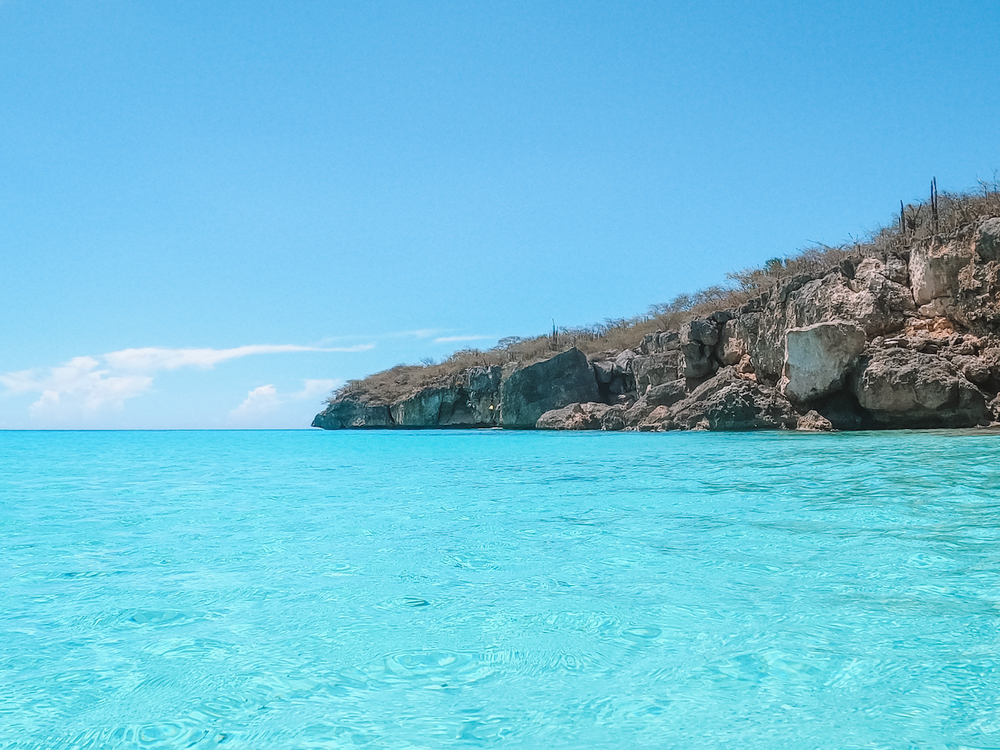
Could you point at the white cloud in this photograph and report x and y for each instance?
(90, 389)
(260, 401)
(456, 339)
(264, 400)
(150, 359)
(86, 385)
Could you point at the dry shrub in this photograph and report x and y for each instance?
(950, 215)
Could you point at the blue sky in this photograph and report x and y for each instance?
(212, 213)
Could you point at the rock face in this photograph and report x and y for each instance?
(698, 340)
(904, 388)
(656, 369)
(589, 416)
(528, 392)
(870, 299)
(934, 270)
(666, 394)
(731, 348)
(907, 340)
(818, 359)
(479, 402)
(353, 413)
(422, 409)
(729, 402)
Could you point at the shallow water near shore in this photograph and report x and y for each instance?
(476, 589)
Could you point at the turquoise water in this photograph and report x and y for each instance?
(490, 589)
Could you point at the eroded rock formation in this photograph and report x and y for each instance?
(907, 340)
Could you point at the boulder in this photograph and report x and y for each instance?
(613, 419)
(656, 420)
(818, 359)
(729, 402)
(349, 412)
(813, 421)
(637, 413)
(623, 359)
(872, 301)
(906, 388)
(529, 391)
(703, 331)
(613, 375)
(588, 416)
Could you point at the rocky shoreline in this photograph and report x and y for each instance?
(901, 340)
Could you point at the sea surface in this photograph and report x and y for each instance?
(459, 589)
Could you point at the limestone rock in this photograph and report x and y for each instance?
(347, 412)
(703, 331)
(483, 387)
(697, 341)
(660, 342)
(906, 388)
(636, 414)
(528, 392)
(666, 394)
(872, 301)
(934, 269)
(604, 371)
(422, 409)
(623, 359)
(987, 240)
(614, 419)
(818, 359)
(977, 292)
(973, 369)
(656, 420)
(587, 416)
(994, 407)
(731, 348)
(656, 369)
(729, 402)
(813, 421)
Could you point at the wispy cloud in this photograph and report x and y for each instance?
(85, 385)
(151, 359)
(456, 339)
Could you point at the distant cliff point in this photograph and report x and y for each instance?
(899, 331)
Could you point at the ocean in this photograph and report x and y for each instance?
(465, 589)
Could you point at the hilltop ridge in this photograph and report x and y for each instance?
(902, 330)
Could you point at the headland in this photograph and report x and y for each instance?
(899, 331)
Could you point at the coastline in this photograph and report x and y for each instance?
(908, 338)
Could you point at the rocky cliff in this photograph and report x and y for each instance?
(907, 339)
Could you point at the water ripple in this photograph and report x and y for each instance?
(456, 589)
